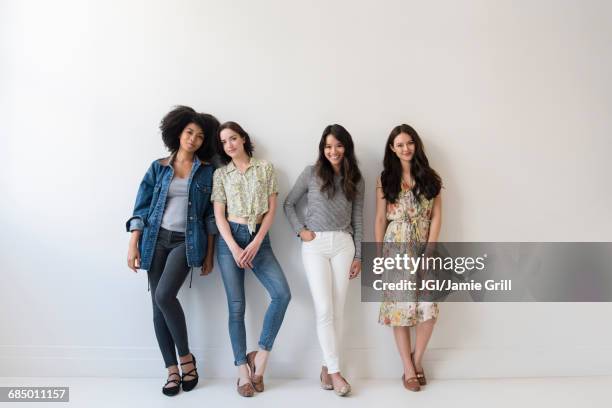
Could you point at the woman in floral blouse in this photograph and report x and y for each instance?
(244, 194)
(408, 213)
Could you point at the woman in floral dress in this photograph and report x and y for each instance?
(408, 213)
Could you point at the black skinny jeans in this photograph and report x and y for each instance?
(168, 272)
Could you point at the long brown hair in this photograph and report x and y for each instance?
(349, 170)
(248, 145)
(427, 181)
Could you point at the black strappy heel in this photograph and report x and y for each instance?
(172, 391)
(189, 385)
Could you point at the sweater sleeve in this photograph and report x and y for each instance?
(357, 218)
(299, 189)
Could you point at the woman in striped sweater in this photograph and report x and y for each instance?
(331, 240)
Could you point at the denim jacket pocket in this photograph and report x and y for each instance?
(203, 188)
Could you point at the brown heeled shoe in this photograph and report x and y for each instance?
(256, 379)
(245, 390)
(420, 375)
(326, 382)
(411, 384)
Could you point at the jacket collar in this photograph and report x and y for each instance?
(168, 161)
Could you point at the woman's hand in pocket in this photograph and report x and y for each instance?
(307, 235)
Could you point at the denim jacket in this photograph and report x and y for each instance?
(151, 202)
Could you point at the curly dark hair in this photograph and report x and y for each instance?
(175, 121)
(248, 145)
(349, 170)
(427, 182)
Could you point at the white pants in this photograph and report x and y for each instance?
(327, 261)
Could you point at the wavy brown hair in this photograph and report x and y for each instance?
(427, 182)
(349, 169)
(248, 145)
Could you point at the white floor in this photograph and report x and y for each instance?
(525, 392)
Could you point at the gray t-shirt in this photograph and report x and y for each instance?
(175, 214)
(326, 214)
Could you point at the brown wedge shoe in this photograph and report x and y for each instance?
(420, 375)
(326, 382)
(257, 380)
(411, 384)
(245, 390)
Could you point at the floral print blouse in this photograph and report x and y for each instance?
(245, 195)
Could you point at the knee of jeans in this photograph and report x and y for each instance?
(236, 310)
(325, 316)
(163, 299)
(157, 314)
(283, 298)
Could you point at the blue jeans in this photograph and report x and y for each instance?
(267, 269)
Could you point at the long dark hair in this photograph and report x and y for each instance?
(349, 170)
(427, 181)
(175, 121)
(248, 145)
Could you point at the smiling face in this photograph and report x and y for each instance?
(334, 151)
(233, 143)
(192, 138)
(404, 147)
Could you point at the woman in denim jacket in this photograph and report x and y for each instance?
(172, 231)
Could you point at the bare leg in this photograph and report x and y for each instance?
(423, 334)
(172, 370)
(243, 374)
(261, 361)
(187, 367)
(402, 340)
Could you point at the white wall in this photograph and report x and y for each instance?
(512, 99)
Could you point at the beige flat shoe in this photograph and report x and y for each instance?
(326, 382)
(344, 390)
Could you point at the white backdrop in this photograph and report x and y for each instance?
(512, 99)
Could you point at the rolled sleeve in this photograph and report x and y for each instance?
(271, 180)
(218, 191)
(134, 223)
(143, 201)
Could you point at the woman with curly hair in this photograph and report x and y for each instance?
(408, 214)
(172, 229)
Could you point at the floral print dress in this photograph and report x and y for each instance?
(409, 221)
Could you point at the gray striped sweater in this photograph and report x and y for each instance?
(323, 213)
